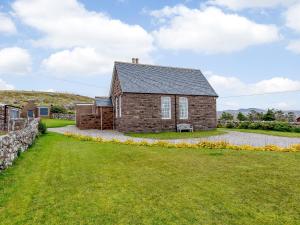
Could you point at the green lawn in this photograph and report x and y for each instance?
(57, 123)
(267, 132)
(2, 133)
(177, 135)
(62, 180)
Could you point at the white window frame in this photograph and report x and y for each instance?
(43, 107)
(120, 106)
(183, 108)
(18, 113)
(117, 107)
(166, 108)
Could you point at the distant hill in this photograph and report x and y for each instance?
(19, 98)
(247, 111)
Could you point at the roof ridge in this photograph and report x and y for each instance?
(102, 97)
(172, 67)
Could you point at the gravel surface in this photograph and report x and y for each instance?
(233, 137)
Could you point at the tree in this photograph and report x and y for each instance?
(291, 117)
(226, 116)
(269, 115)
(241, 117)
(255, 116)
(280, 116)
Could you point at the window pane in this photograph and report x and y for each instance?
(44, 111)
(117, 107)
(166, 107)
(30, 113)
(183, 108)
(120, 106)
(14, 114)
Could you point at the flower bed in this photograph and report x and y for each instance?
(200, 145)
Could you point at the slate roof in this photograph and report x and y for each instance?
(103, 101)
(142, 78)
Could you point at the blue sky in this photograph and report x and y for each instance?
(244, 47)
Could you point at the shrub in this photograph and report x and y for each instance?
(296, 129)
(58, 109)
(254, 126)
(230, 125)
(42, 127)
(283, 127)
(244, 125)
(267, 125)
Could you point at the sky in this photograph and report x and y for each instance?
(247, 49)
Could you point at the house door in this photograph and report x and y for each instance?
(30, 114)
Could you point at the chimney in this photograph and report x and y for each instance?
(135, 60)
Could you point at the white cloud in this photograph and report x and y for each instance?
(231, 86)
(14, 61)
(293, 17)
(209, 30)
(293, 22)
(79, 61)
(68, 24)
(294, 46)
(244, 4)
(5, 86)
(7, 26)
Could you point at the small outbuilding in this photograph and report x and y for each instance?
(8, 113)
(97, 115)
(32, 110)
(298, 120)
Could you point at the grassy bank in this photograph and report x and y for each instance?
(267, 132)
(62, 180)
(177, 135)
(51, 123)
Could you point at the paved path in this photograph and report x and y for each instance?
(233, 137)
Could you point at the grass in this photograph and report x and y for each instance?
(62, 180)
(2, 133)
(51, 123)
(177, 135)
(267, 132)
(20, 98)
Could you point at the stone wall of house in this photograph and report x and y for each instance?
(17, 124)
(2, 119)
(7, 124)
(30, 106)
(15, 142)
(94, 121)
(62, 116)
(142, 113)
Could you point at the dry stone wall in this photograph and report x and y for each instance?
(62, 116)
(15, 142)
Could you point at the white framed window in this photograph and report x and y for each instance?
(43, 111)
(117, 107)
(165, 108)
(183, 108)
(14, 114)
(120, 106)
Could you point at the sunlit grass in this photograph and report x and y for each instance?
(62, 180)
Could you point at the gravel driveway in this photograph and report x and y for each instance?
(233, 137)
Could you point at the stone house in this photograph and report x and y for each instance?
(32, 110)
(8, 113)
(298, 120)
(150, 98)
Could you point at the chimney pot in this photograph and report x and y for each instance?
(135, 60)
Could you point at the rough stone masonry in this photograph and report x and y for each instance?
(16, 141)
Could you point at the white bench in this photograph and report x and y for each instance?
(184, 126)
